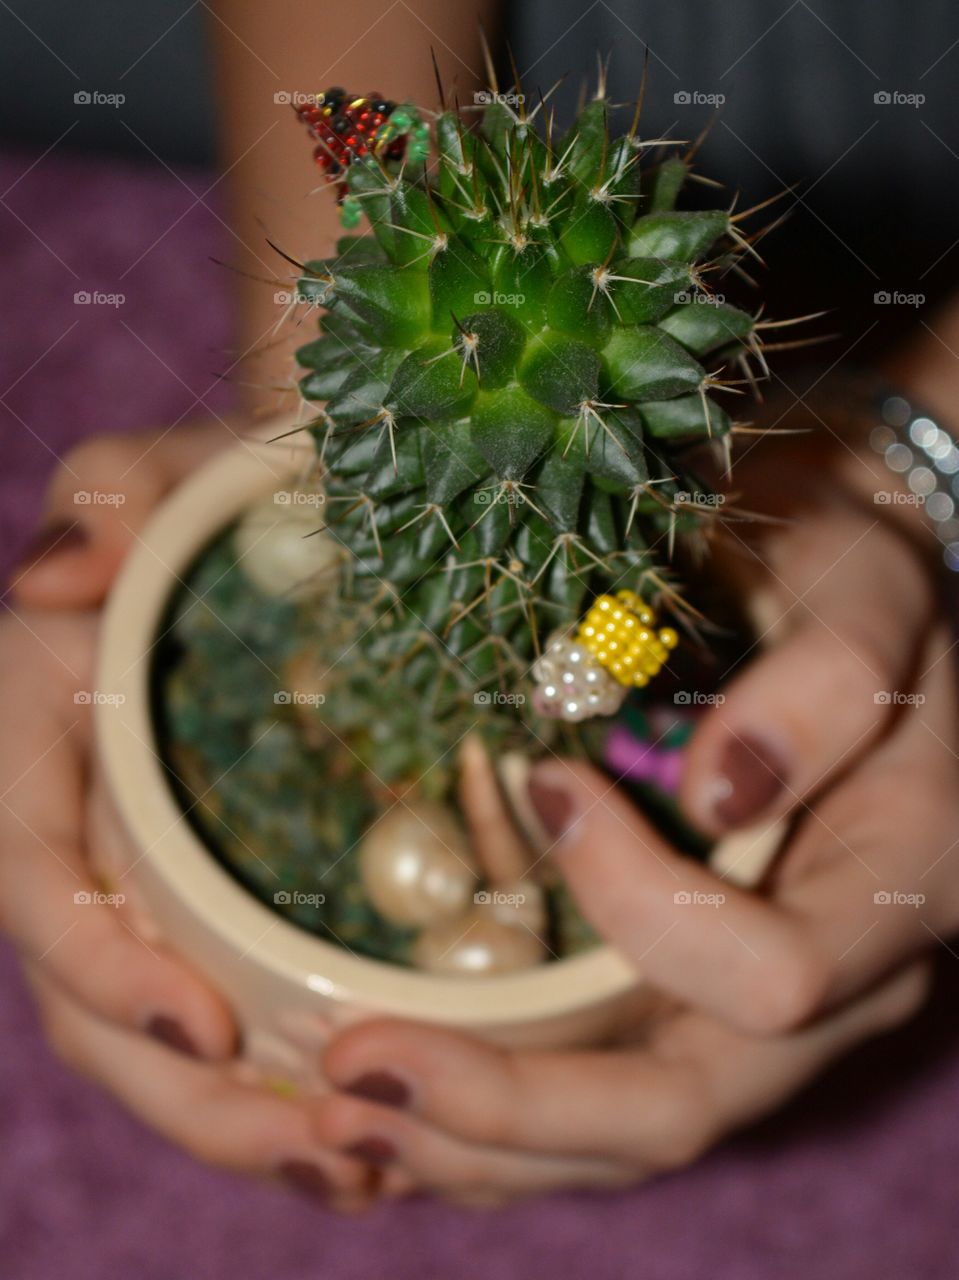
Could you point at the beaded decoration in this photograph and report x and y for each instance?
(620, 632)
(347, 128)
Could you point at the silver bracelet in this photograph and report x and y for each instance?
(915, 447)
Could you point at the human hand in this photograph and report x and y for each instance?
(771, 988)
(114, 1002)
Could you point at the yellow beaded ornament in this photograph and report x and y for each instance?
(620, 632)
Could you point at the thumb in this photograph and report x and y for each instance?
(850, 607)
(693, 935)
(102, 491)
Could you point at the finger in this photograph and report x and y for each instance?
(435, 1160)
(51, 908)
(100, 493)
(201, 1107)
(503, 854)
(599, 1115)
(692, 935)
(847, 608)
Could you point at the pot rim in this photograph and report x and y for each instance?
(183, 523)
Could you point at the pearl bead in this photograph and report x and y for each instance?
(416, 865)
(477, 944)
(277, 553)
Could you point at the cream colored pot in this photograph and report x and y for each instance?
(288, 987)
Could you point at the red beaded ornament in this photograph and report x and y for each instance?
(346, 128)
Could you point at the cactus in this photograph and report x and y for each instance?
(515, 367)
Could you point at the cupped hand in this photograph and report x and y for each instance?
(847, 721)
(115, 1004)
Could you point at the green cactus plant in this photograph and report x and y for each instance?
(514, 368)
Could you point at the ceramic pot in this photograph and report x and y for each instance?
(288, 987)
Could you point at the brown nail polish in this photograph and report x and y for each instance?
(376, 1151)
(62, 535)
(309, 1179)
(169, 1032)
(554, 807)
(752, 775)
(382, 1087)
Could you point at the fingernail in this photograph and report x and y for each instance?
(554, 806)
(309, 1179)
(171, 1033)
(62, 535)
(382, 1087)
(376, 1151)
(751, 775)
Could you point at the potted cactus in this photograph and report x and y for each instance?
(476, 542)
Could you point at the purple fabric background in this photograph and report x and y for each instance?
(858, 1181)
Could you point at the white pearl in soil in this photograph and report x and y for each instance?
(417, 866)
(477, 944)
(280, 549)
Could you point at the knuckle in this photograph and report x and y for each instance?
(789, 991)
(686, 1132)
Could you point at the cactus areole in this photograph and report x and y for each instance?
(514, 365)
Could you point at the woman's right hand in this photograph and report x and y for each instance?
(117, 1005)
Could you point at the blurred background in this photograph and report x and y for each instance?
(141, 148)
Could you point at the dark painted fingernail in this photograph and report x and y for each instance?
(382, 1087)
(751, 775)
(170, 1032)
(62, 535)
(378, 1151)
(554, 806)
(309, 1179)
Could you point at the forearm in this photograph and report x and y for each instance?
(288, 47)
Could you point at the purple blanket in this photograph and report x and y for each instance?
(858, 1181)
